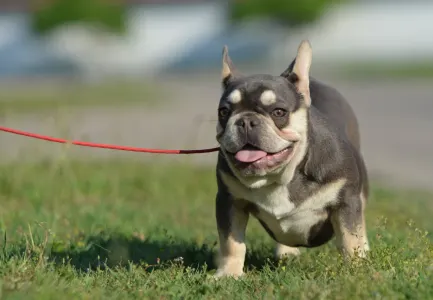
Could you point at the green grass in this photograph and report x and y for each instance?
(398, 70)
(120, 230)
(28, 97)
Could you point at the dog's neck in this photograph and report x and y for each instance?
(323, 150)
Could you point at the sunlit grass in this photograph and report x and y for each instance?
(393, 70)
(28, 97)
(119, 230)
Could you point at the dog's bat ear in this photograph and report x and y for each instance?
(289, 69)
(228, 70)
(298, 71)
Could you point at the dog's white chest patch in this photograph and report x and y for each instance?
(294, 228)
(273, 200)
(289, 224)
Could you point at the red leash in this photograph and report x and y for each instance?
(105, 146)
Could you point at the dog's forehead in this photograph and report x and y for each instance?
(260, 90)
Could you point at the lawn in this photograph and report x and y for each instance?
(389, 70)
(28, 97)
(129, 229)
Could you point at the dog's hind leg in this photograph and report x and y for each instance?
(283, 251)
(350, 229)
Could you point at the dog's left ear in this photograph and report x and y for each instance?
(298, 72)
(228, 70)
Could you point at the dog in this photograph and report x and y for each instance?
(290, 157)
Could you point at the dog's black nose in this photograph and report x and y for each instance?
(248, 122)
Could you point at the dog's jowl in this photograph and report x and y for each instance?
(290, 157)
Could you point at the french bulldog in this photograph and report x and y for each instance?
(290, 157)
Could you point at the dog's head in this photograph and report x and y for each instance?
(263, 119)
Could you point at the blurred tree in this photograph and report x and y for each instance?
(53, 13)
(290, 12)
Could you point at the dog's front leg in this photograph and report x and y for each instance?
(349, 226)
(232, 221)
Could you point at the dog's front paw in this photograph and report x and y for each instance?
(361, 252)
(355, 253)
(230, 268)
(223, 273)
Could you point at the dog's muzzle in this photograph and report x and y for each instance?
(250, 156)
(251, 142)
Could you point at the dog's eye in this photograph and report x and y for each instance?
(223, 112)
(279, 113)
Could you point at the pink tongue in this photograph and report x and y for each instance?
(250, 155)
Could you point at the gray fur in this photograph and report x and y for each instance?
(333, 154)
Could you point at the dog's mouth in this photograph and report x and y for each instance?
(255, 157)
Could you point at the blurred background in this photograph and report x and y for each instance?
(146, 73)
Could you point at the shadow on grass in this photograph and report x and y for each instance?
(119, 251)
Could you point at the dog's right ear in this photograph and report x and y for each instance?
(228, 71)
(298, 71)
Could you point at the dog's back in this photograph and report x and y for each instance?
(337, 110)
(331, 104)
